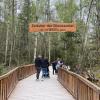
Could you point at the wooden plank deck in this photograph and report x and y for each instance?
(48, 89)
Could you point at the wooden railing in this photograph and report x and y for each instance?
(10, 80)
(79, 87)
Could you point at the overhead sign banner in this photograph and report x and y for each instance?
(52, 27)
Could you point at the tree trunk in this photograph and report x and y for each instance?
(12, 30)
(98, 28)
(6, 43)
(49, 47)
(48, 19)
(35, 48)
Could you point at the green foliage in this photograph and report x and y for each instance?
(1, 69)
(81, 47)
(32, 15)
(70, 50)
(66, 12)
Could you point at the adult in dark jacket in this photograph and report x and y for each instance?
(38, 65)
(45, 69)
(54, 63)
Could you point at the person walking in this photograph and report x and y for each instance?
(54, 63)
(45, 65)
(38, 65)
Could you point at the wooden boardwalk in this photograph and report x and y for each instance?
(48, 89)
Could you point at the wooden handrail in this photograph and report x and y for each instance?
(10, 80)
(79, 87)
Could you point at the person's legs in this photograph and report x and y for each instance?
(43, 72)
(56, 70)
(53, 69)
(47, 72)
(38, 73)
